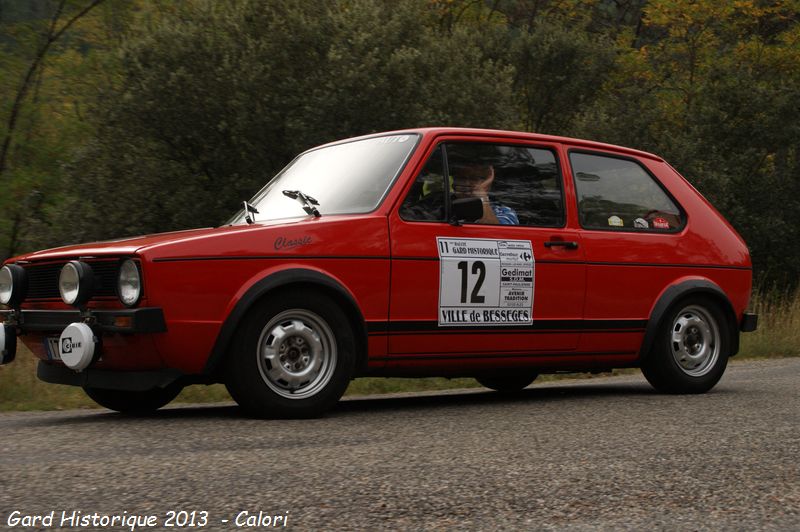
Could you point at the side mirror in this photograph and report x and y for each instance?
(467, 209)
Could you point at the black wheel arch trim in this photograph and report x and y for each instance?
(680, 291)
(282, 279)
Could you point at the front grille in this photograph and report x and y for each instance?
(43, 279)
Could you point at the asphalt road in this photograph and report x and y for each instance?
(602, 454)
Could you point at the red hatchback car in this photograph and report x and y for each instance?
(452, 252)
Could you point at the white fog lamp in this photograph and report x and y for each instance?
(8, 344)
(77, 345)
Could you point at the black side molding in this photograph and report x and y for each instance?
(749, 322)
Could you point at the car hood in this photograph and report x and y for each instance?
(145, 243)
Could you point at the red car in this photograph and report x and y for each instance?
(452, 252)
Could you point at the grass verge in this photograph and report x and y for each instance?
(778, 331)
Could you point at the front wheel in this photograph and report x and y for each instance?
(691, 349)
(294, 357)
(134, 402)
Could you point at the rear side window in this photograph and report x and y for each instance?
(618, 194)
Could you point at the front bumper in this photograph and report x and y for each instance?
(127, 322)
(138, 320)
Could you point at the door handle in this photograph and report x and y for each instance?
(569, 244)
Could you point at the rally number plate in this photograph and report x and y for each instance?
(485, 282)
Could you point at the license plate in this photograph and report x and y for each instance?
(53, 346)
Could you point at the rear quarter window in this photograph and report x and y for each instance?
(616, 193)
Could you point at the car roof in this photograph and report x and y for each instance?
(517, 135)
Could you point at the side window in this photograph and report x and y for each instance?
(517, 185)
(425, 200)
(528, 181)
(618, 194)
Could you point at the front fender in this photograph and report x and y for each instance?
(272, 282)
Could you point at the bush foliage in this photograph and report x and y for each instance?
(152, 116)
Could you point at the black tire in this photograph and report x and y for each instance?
(507, 383)
(691, 348)
(277, 369)
(134, 403)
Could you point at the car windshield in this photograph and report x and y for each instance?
(347, 178)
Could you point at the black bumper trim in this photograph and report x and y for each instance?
(135, 381)
(749, 322)
(143, 320)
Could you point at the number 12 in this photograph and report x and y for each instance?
(479, 268)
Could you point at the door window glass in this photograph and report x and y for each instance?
(517, 185)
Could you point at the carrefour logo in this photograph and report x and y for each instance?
(67, 345)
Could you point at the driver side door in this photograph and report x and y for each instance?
(483, 293)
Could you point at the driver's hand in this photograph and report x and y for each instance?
(482, 188)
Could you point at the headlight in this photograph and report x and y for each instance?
(75, 283)
(13, 285)
(129, 283)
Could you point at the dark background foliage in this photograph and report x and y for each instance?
(151, 116)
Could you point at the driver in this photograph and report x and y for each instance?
(475, 181)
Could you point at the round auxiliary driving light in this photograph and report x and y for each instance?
(129, 283)
(75, 283)
(13, 284)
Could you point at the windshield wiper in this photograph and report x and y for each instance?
(307, 201)
(247, 210)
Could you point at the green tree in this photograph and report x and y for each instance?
(559, 72)
(37, 126)
(216, 98)
(164, 115)
(713, 87)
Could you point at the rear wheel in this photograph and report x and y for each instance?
(293, 357)
(134, 402)
(507, 383)
(691, 349)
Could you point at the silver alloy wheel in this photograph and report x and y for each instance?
(695, 341)
(296, 354)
